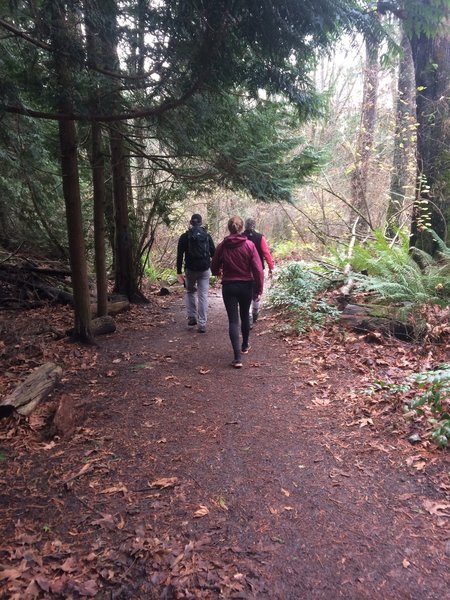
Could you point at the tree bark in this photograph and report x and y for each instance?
(125, 272)
(364, 144)
(34, 389)
(431, 56)
(402, 187)
(70, 180)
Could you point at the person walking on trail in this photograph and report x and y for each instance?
(196, 247)
(236, 260)
(264, 254)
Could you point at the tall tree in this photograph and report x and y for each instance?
(64, 38)
(364, 144)
(427, 24)
(431, 55)
(403, 177)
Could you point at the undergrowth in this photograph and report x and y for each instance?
(298, 290)
(426, 397)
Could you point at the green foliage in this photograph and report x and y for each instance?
(424, 18)
(284, 249)
(430, 391)
(396, 278)
(433, 393)
(238, 144)
(297, 290)
(154, 274)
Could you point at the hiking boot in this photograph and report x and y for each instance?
(236, 364)
(245, 349)
(192, 321)
(201, 329)
(255, 317)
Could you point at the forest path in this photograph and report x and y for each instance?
(191, 479)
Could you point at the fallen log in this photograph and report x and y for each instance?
(99, 326)
(102, 325)
(363, 320)
(34, 389)
(40, 290)
(114, 308)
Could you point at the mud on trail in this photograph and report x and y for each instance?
(185, 478)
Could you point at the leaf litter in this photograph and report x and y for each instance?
(111, 510)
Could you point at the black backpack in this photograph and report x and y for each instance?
(198, 248)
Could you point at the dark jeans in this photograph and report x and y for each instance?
(237, 297)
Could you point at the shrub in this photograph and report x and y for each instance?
(433, 400)
(297, 290)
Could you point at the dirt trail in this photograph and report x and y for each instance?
(190, 479)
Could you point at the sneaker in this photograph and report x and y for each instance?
(255, 317)
(192, 321)
(236, 364)
(245, 349)
(201, 329)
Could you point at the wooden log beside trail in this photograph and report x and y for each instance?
(102, 325)
(366, 319)
(34, 389)
(114, 308)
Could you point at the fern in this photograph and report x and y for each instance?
(296, 290)
(398, 276)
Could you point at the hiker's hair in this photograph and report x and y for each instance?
(235, 225)
(250, 224)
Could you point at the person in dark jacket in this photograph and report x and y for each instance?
(196, 247)
(236, 260)
(264, 254)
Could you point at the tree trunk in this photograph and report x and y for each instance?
(402, 188)
(431, 57)
(98, 174)
(98, 181)
(125, 277)
(364, 144)
(71, 186)
(125, 272)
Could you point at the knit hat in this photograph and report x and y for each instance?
(196, 219)
(250, 224)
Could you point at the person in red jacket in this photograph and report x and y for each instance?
(264, 254)
(236, 260)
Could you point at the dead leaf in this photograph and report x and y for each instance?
(420, 466)
(86, 588)
(164, 482)
(405, 563)
(162, 441)
(286, 492)
(106, 520)
(321, 401)
(203, 370)
(121, 523)
(49, 446)
(202, 511)
(13, 573)
(437, 508)
(115, 489)
(69, 565)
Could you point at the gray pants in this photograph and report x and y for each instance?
(197, 285)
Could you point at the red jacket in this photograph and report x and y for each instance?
(238, 260)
